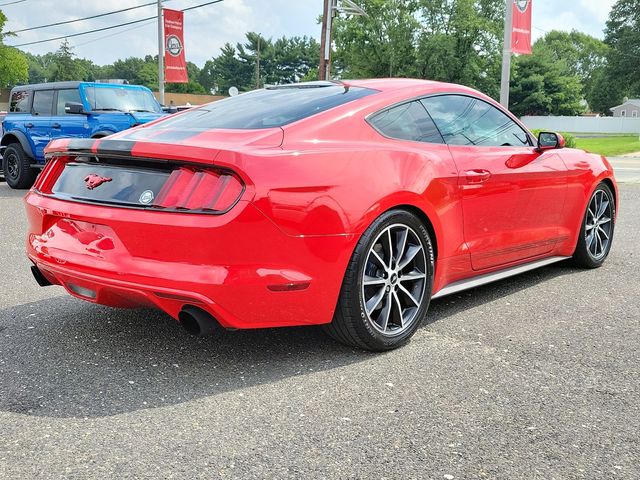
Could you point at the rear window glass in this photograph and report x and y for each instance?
(268, 108)
(42, 102)
(20, 101)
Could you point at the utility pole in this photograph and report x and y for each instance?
(258, 64)
(506, 54)
(325, 41)
(160, 54)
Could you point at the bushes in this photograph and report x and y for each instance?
(570, 140)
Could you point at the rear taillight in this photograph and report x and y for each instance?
(49, 174)
(206, 190)
(133, 184)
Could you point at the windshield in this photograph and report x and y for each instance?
(122, 99)
(267, 108)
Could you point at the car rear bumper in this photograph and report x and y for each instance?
(240, 267)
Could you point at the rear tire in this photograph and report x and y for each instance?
(16, 166)
(596, 233)
(387, 286)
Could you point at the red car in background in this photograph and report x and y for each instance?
(344, 204)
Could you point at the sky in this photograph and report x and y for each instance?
(208, 28)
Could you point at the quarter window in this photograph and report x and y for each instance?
(67, 96)
(409, 121)
(464, 120)
(20, 101)
(42, 102)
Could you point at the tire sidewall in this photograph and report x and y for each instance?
(381, 341)
(25, 176)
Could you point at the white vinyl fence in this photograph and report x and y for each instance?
(585, 124)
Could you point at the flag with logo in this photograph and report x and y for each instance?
(175, 64)
(521, 33)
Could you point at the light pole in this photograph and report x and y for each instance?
(506, 54)
(160, 54)
(329, 11)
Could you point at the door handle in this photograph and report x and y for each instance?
(477, 176)
(55, 125)
(28, 125)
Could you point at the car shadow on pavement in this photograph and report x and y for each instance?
(66, 358)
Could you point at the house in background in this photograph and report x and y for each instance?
(629, 108)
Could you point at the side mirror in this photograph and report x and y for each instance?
(550, 141)
(74, 108)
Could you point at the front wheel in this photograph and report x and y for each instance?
(17, 167)
(387, 287)
(596, 233)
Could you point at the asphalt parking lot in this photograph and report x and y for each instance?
(535, 377)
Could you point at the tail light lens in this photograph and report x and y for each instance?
(206, 190)
(136, 185)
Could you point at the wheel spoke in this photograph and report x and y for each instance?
(385, 313)
(390, 247)
(603, 207)
(374, 301)
(373, 281)
(399, 309)
(408, 294)
(377, 256)
(604, 220)
(601, 230)
(412, 251)
(409, 277)
(401, 243)
(590, 239)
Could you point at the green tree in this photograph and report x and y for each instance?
(542, 86)
(14, 67)
(381, 44)
(582, 55)
(229, 71)
(461, 42)
(620, 77)
(65, 67)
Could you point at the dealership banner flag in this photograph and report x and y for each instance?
(521, 33)
(175, 64)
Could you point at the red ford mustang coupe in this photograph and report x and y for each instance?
(349, 205)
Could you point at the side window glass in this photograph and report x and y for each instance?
(466, 120)
(42, 102)
(67, 96)
(409, 121)
(20, 101)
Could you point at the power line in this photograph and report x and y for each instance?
(114, 34)
(83, 19)
(133, 22)
(12, 3)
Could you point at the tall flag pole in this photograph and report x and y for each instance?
(517, 39)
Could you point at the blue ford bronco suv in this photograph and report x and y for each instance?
(43, 112)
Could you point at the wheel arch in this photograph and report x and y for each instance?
(411, 203)
(426, 221)
(610, 183)
(18, 137)
(102, 134)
